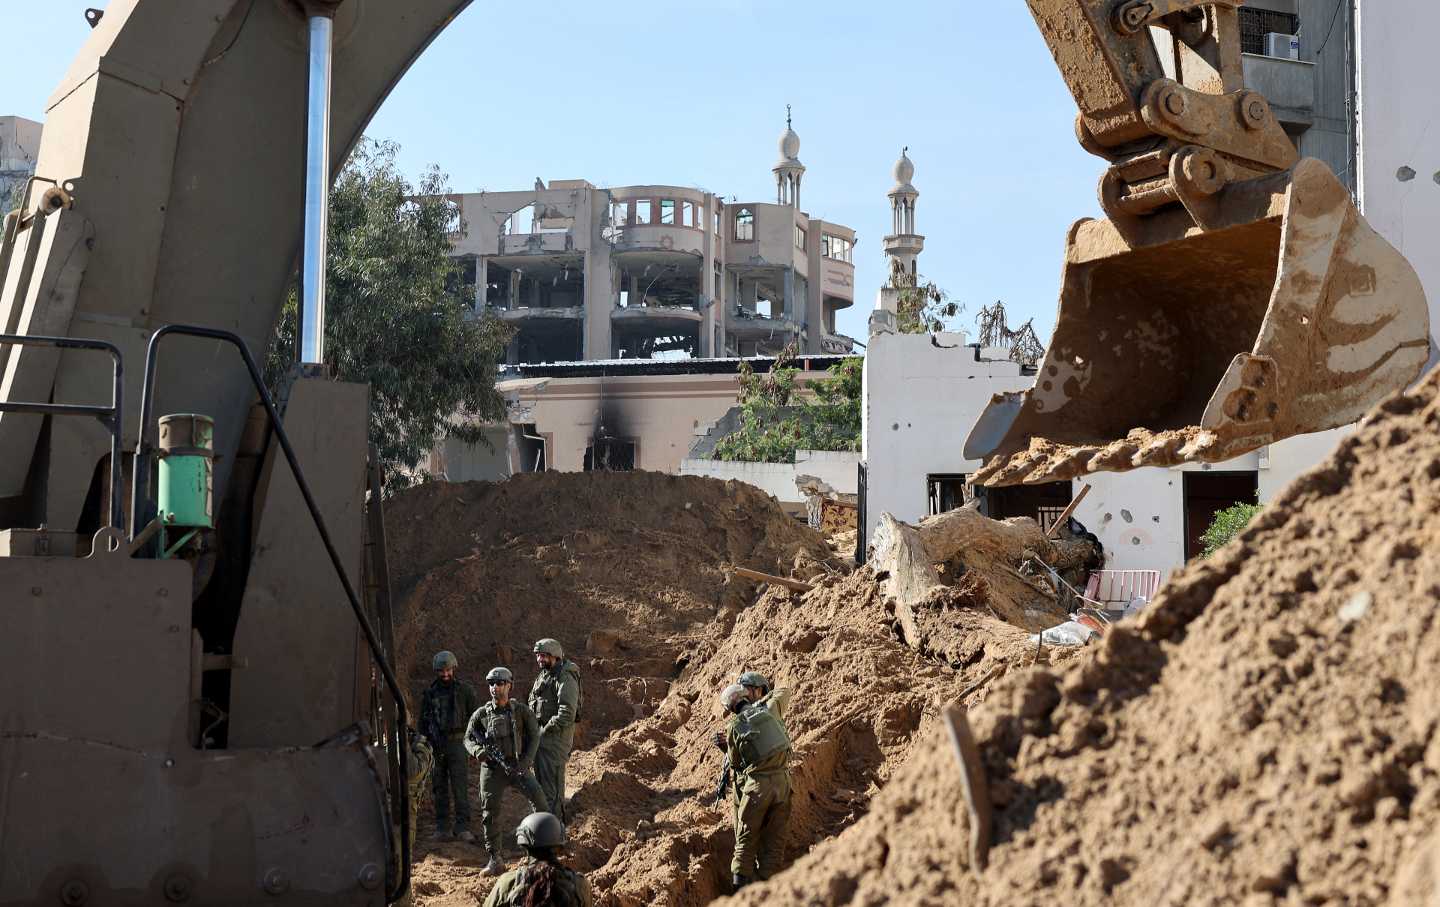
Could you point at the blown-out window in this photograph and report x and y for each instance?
(667, 211)
(744, 225)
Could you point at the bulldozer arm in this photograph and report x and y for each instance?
(1290, 315)
(1234, 296)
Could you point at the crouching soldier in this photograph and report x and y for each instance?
(555, 700)
(759, 751)
(541, 879)
(504, 736)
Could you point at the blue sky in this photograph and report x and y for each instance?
(694, 94)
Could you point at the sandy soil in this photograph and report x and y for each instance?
(1265, 734)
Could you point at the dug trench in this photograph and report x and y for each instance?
(633, 573)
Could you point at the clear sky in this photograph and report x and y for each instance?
(694, 94)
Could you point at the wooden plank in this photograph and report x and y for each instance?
(972, 784)
(1069, 509)
(788, 583)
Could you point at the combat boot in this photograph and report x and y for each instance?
(495, 867)
(739, 881)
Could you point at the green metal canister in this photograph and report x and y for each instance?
(187, 471)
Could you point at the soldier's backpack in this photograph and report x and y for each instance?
(759, 735)
(564, 892)
(574, 671)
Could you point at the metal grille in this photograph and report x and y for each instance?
(1255, 24)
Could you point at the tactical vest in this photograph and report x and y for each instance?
(758, 735)
(545, 697)
(503, 728)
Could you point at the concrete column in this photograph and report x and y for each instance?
(790, 294)
(600, 294)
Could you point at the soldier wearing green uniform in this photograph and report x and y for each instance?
(759, 751)
(509, 726)
(757, 690)
(422, 761)
(541, 879)
(445, 710)
(555, 700)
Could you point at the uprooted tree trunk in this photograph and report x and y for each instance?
(1001, 553)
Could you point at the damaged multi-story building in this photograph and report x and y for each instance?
(646, 272)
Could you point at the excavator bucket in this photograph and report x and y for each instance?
(1285, 313)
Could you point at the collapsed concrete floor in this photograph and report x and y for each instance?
(1264, 733)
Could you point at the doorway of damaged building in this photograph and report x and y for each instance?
(1043, 503)
(1206, 494)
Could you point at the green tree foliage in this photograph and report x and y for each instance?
(774, 424)
(397, 315)
(1226, 525)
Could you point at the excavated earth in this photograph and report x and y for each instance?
(1265, 734)
(632, 572)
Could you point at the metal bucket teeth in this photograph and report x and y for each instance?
(1285, 314)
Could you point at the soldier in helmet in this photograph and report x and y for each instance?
(541, 879)
(758, 747)
(555, 700)
(758, 691)
(510, 728)
(445, 709)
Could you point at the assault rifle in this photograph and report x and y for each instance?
(723, 788)
(496, 759)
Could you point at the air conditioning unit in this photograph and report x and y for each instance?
(1284, 46)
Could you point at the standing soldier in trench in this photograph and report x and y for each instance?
(445, 710)
(758, 747)
(757, 690)
(421, 762)
(555, 700)
(510, 728)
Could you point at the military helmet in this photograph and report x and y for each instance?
(730, 695)
(753, 679)
(540, 830)
(550, 647)
(501, 675)
(446, 659)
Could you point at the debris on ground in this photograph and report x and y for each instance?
(1265, 732)
(637, 575)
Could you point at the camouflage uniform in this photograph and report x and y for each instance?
(422, 761)
(759, 750)
(574, 887)
(555, 700)
(445, 709)
(515, 732)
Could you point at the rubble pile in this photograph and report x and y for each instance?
(1265, 733)
(632, 572)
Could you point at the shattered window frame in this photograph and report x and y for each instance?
(745, 225)
(644, 212)
(800, 237)
(687, 213)
(667, 212)
(620, 213)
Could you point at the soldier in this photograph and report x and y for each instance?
(507, 729)
(555, 700)
(541, 879)
(445, 709)
(759, 749)
(757, 690)
(422, 761)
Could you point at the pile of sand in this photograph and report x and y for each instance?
(630, 572)
(1266, 733)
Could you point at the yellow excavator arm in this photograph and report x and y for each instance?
(1234, 296)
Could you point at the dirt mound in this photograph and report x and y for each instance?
(1266, 733)
(859, 695)
(619, 567)
(630, 572)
